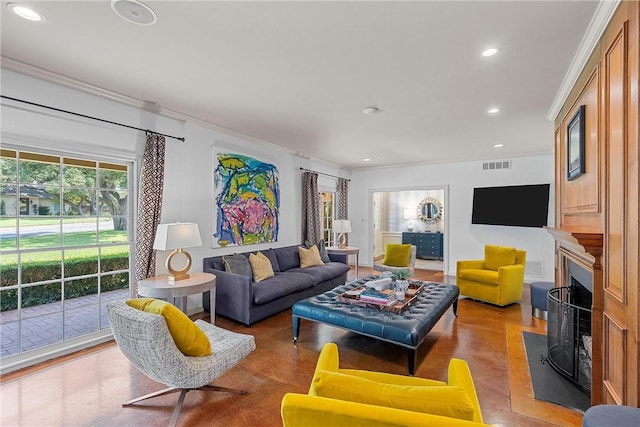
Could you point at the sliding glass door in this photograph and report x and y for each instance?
(64, 247)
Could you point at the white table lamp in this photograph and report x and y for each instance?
(176, 237)
(410, 215)
(342, 226)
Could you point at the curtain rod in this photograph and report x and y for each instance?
(320, 173)
(92, 118)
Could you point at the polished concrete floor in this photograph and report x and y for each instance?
(87, 388)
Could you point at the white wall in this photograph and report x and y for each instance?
(462, 239)
(188, 191)
(188, 188)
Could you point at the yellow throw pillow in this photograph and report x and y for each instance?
(261, 267)
(498, 256)
(309, 257)
(446, 401)
(189, 339)
(397, 255)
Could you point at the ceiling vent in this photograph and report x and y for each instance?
(502, 164)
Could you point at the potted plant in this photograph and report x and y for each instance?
(402, 281)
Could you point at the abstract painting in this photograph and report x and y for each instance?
(247, 200)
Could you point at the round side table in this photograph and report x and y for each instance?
(197, 283)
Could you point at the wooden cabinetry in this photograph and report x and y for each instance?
(604, 202)
(428, 245)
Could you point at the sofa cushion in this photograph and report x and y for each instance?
(489, 277)
(280, 285)
(322, 273)
(237, 264)
(261, 267)
(498, 256)
(288, 257)
(218, 263)
(189, 338)
(309, 257)
(322, 248)
(397, 255)
(323, 252)
(271, 254)
(446, 401)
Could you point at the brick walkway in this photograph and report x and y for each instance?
(42, 324)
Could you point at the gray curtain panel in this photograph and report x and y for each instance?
(342, 200)
(310, 208)
(149, 205)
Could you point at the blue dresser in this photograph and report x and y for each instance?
(428, 245)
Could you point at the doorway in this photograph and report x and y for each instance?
(398, 217)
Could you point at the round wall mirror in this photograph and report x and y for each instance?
(429, 211)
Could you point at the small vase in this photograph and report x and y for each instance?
(402, 286)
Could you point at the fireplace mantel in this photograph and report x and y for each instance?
(584, 244)
(585, 247)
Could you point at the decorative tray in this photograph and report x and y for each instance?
(410, 296)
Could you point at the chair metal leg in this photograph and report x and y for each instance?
(150, 395)
(183, 393)
(178, 408)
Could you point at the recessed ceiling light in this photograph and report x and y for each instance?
(134, 11)
(26, 12)
(490, 52)
(493, 110)
(366, 160)
(371, 110)
(498, 145)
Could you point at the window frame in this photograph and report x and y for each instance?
(98, 155)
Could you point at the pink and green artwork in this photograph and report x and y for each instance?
(247, 201)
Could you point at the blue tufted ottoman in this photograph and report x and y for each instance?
(407, 329)
(611, 416)
(539, 292)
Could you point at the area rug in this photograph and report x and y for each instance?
(548, 385)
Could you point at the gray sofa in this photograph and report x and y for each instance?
(239, 298)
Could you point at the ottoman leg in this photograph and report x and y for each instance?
(412, 359)
(296, 328)
(455, 307)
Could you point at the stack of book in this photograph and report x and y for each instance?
(383, 297)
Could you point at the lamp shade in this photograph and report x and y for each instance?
(342, 226)
(176, 236)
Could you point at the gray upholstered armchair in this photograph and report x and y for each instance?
(411, 267)
(145, 340)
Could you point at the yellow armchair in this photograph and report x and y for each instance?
(497, 279)
(349, 397)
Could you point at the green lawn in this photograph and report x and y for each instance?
(70, 239)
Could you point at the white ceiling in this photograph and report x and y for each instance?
(298, 74)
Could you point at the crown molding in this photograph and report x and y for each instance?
(58, 79)
(598, 24)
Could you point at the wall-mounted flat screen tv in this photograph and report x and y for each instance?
(516, 205)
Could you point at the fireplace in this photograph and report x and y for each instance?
(579, 257)
(569, 330)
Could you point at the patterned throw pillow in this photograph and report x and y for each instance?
(309, 257)
(237, 264)
(189, 338)
(261, 267)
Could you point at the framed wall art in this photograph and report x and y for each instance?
(247, 200)
(575, 145)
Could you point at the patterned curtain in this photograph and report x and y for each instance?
(342, 200)
(310, 208)
(149, 205)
